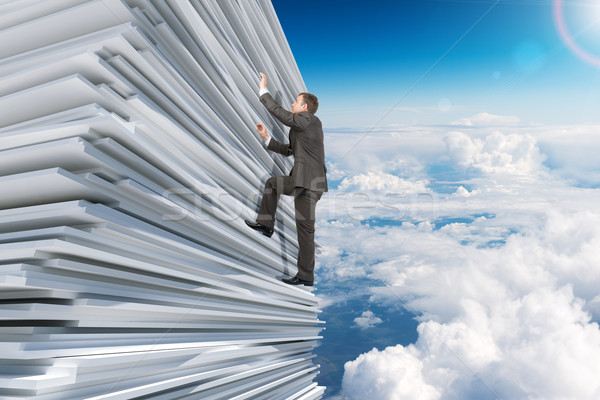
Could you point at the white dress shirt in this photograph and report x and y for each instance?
(260, 93)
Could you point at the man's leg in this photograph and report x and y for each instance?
(274, 187)
(305, 203)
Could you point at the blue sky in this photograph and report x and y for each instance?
(460, 236)
(363, 58)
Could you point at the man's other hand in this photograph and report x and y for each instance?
(260, 128)
(263, 81)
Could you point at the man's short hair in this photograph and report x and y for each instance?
(311, 101)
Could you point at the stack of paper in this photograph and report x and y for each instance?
(128, 162)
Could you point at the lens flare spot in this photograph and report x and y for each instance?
(528, 55)
(444, 104)
(572, 38)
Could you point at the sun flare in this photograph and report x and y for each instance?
(590, 16)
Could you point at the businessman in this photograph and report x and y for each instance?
(306, 182)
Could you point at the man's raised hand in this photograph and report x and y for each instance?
(263, 81)
(260, 128)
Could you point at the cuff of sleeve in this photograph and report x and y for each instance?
(268, 141)
(263, 91)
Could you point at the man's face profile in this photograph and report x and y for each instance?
(299, 105)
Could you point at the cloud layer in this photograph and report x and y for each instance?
(508, 322)
(502, 275)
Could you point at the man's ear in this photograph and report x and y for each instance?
(305, 107)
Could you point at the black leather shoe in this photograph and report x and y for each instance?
(265, 230)
(297, 281)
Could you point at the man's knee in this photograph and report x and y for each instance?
(271, 185)
(271, 182)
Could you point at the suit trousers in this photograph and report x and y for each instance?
(305, 203)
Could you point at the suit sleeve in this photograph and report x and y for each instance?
(280, 148)
(286, 117)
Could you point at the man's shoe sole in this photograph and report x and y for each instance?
(295, 281)
(265, 230)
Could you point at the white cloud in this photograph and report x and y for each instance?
(513, 154)
(367, 320)
(381, 182)
(462, 192)
(334, 173)
(486, 119)
(379, 375)
(572, 152)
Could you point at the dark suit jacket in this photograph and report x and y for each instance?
(306, 145)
